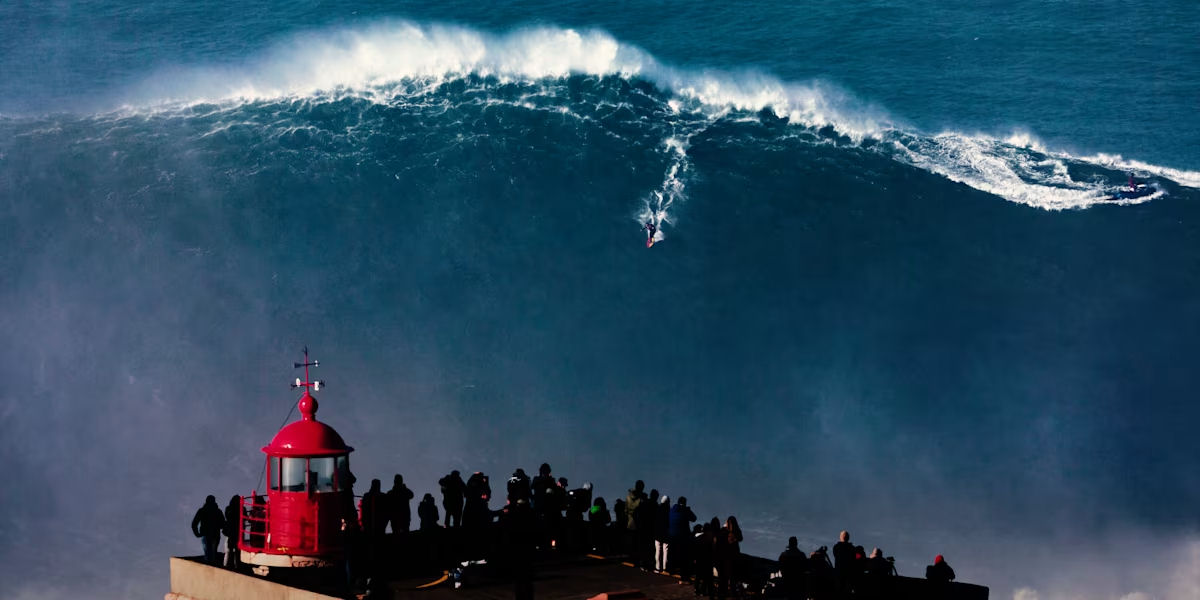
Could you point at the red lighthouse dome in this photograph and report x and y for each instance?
(309, 494)
(308, 436)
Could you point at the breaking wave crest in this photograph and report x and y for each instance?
(395, 61)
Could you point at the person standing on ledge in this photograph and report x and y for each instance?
(399, 511)
(207, 525)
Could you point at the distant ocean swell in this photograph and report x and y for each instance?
(338, 91)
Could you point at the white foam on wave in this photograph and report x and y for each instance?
(1114, 161)
(395, 59)
(1020, 169)
(367, 59)
(656, 207)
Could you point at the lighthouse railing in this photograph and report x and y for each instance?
(255, 523)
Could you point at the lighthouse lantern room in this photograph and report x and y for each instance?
(309, 493)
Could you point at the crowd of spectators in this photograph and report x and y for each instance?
(545, 514)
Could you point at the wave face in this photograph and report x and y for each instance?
(876, 319)
(404, 65)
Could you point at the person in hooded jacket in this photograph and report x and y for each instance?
(399, 511)
(207, 525)
(427, 512)
(233, 532)
(662, 529)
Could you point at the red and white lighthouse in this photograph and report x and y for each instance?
(299, 523)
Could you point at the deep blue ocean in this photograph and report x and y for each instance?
(892, 291)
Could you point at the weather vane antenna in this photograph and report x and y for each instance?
(307, 383)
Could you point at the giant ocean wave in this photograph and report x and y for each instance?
(343, 89)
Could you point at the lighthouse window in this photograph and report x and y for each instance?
(321, 470)
(343, 472)
(273, 467)
(292, 474)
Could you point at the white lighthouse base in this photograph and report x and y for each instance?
(263, 561)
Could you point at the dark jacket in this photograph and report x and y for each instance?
(634, 510)
(233, 514)
(428, 513)
(209, 521)
(662, 521)
(843, 556)
(579, 501)
(453, 489)
(702, 550)
(543, 490)
(680, 522)
(793, 564)
(939, 572)
(397, 500)
(880, 566)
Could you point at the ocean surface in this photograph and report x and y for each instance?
(892, 291)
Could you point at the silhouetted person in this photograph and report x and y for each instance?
(543, 489)
(207, 525)
(728, 555)
(579, 501)
(427, 512)
(453, 490)
(374, 511)
(793, 566)
(620, 518)
(475, 511)
(556, 502)
(940, 570)
(517, 524)
(843, 563)
(820, 574)
(873, 581)
(703, 547)
(399, 510)
(598, 520)
(576, 503)
(878, 565)
(562, 496)
(679, 534)
(662, 533)
(648, 510)
(351, 549)
(635, 522)
(518, 486)
(233, 532)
